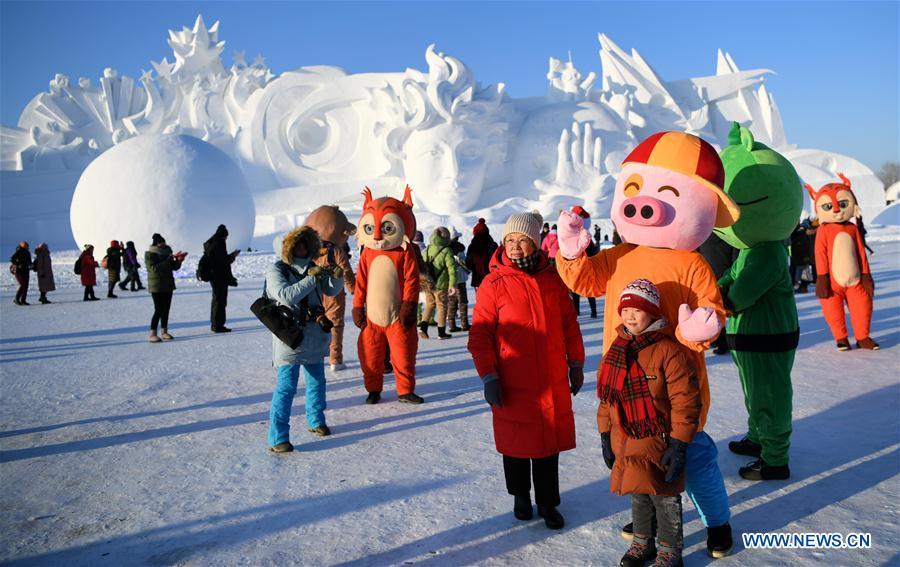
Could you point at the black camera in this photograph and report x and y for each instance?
(317, 314)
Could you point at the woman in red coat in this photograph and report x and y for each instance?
(528, 351)
(88, 272)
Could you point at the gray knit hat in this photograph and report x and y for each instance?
(528, 224)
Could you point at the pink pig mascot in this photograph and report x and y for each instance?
(668, 198)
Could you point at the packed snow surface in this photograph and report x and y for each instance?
(114, 451)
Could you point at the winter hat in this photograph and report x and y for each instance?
(23, 244)
(481, 228)
(419, 237)
(443, 232)
(88, 247)
(221, 231)
(641, 294)
(579, 210)
(528, 224)
(156, 239)
(113, 243)
(454, 234)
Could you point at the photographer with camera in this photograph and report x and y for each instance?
(296, 283)
(220, 277)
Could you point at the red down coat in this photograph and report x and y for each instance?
(525, 330)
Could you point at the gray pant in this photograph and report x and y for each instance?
(670, 531)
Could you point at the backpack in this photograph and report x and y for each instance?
(204, 270)
(78, 266)
(434, 273)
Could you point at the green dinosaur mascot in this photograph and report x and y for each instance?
(763, 330)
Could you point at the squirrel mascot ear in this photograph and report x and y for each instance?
(812, 193)
(407, 197)
(844, 179)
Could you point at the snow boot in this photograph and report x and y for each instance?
(867, 343)
(164, 335)
(122, 286)
(745, 447)
(552, 518)
(718, 541)
(843, 344)
(423, 330)
(443, 334)
(410, 398)
(284, 447)
(335, 366)
(759, 470)
(153, 338)
(321, 431)
(373, 398)
(638, 554)
(222, 329)
(522, 509)
(669, 559)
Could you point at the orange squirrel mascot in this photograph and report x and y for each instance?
(842, 268)
(387, 294)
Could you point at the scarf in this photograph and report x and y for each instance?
(623, 384)
(528, 263)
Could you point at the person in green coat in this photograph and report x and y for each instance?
(763, 329)
(113, 267)
(161, 264)
(441, 265)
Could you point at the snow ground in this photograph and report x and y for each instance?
(114, 451)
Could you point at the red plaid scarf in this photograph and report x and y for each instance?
(623, 385)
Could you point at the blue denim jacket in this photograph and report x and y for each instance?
(285, 287)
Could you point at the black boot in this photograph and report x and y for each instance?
(552, 518)
(443, 334)
(718, 541)
(759, 470)
(423, 330)
(410, 399)
(373, 398)
(522, 509)
(639, 554)
(745, 447)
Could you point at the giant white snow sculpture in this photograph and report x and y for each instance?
(176, 185)
(317, 135)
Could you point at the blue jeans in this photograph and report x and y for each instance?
(283, 398)
(704, 483)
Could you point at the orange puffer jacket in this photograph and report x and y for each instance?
(676, 395)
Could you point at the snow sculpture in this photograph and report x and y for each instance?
(316, 134)
(176, 185)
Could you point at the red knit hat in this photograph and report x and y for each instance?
(481, 228)
(579, 210)
(641, 294)
(692, 156)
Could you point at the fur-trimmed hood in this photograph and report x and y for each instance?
(305, 233)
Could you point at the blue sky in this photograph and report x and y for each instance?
(837, 63)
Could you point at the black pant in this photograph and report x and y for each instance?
(133, 277)
(162, 300)
(576, 301)
(545, 472)
(89, 292)
(667, 509)
(217, 309)
(22, 277)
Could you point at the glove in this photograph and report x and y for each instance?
(868, 284)
(608, 456)
(337, 272)
(408, 314)
(359, 317)
(233, 282)
(673, 459)
(823, 287)
(576, 379)
(492, 390)
(573, 239)
(699, 325)
(315, 271)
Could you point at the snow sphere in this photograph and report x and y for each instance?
(176, 185)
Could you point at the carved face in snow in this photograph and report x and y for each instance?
(667, 194)
(447, 164)
(386, 223)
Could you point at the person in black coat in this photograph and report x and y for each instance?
(720, 256)
(479, 253)
(20, 266)
(801, 256)
(220, 261)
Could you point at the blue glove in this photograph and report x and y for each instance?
(492, 390)
(673, 459)
(608, 456)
